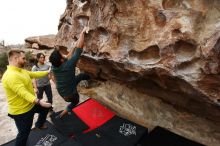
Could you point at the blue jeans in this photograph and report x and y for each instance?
(47, 90)
(74, 100)
(24, 122)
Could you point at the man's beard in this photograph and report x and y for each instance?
(21, 65)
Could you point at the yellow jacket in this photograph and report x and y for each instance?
(19, 90)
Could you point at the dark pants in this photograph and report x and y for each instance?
(47, 90)
(74, 99)
(24, 122)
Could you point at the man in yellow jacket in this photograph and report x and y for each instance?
(22, 102)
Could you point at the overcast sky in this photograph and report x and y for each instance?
(24, 18)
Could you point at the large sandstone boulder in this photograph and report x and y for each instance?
(167, 46)
(168, 49)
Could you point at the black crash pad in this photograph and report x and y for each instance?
(71, 142)
(163, 137)
(69, 124)
(49, 136)
(115, 132)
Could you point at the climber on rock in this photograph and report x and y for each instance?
(63, 69)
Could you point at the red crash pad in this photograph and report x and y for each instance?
(93, 113)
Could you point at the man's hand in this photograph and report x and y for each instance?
(45, 104)
(85, 29)
(35, 90)
(80, 41)
(42, 103)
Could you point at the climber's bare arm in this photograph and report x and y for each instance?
(79, 43)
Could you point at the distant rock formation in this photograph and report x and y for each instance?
(40, 42)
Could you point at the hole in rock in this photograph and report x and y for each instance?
(149, 55)
(83, 20)
(176, 32)
(160, 19)
(169, 4)
(184, 51)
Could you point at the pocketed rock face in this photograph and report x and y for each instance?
(167, 49)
